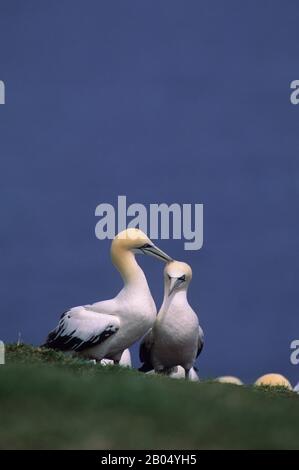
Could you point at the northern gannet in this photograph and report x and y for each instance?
(274, 380)
(296, 388)
(105, 329)
(176, 338)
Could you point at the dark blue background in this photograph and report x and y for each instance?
(167, 101)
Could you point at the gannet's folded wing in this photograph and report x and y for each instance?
(145, 352)
(81, 328)
(200, 341)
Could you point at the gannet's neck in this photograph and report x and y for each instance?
(125, 262)
(176, 298)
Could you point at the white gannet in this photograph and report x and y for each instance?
(176, 338)
(105, 329)
(296, 388)
(125, 360)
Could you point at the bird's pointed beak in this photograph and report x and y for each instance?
(153, 250)
(174, 284)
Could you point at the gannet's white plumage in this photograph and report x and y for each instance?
(125, 360)
(296, 388)
(176, 338)
(105, 329)
(178, 372)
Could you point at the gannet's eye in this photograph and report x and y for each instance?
(146, 245)
(182, 278)
(169, 277)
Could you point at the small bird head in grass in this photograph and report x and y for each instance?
(229, 379)
(177, 276)
(274, 380)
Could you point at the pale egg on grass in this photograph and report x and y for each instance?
(229, 379)
(273, 380)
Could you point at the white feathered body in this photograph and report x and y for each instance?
(176, 335)
(105, 329)
(135, 310)
(178, 372)
(125, 360)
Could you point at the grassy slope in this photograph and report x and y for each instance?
(49, 401)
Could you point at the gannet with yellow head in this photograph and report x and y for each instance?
(176, 338)
(105, 329)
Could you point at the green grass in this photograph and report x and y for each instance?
(49, 401)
